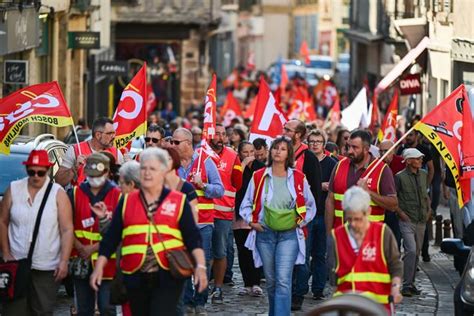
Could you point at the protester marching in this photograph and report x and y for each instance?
(318, 196)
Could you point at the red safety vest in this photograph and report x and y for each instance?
(138, 233)
(205, 205)
(86, 150)
(366, 272)
(299, 157)
(258, 182)
(86, 226)
(224, 206)
(340, 187)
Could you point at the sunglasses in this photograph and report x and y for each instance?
(177, 142)
(152, 139)
(40, 173)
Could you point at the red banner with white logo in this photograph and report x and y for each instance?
(130, 115)
(209, 128)
(269, 119)
(230, 110)
(388, 130)
(449, 128)
(302, 107)
(41, 103)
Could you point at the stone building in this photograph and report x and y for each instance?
(172, 36)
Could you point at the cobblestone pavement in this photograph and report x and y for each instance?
(436, 280)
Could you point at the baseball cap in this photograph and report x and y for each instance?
(96, 164)
(412, 153)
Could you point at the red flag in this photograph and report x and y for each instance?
(130, 115)
(284, 79)
(388, 130)
(304, 52)
(151, 101)
(309, 112)
(268, 119)
(335, 114)
(443, 127)
(209, 128)
(374, 120)
(230, 110)
(41, 103)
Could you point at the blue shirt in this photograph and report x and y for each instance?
(215, 188)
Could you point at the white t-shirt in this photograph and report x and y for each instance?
(46, 254)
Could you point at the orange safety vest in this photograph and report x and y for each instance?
(86, 150)
(224, 206)
(258, 182)
(340, 187)
(138, 233)
(205, 205)
(299, 157)
(86, 224)
(365, 272)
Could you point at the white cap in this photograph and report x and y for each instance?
(412, 153)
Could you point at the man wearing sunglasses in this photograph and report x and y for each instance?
(93, 201)
(208, 185)
(19, 209)
(71, 170)
(154, 136)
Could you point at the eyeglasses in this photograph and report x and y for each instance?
(315, 142)
(108, 134)
(177, 142)
(152, 139)
(32, 173)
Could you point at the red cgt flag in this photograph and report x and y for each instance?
(443, 127)
(230, 110)
(302, 107)
(130, 115)
(41, 103)
(209, 128)
(388, 130)
(269, 119)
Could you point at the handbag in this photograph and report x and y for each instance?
(118, 291)
(79, 268)
(278, 219)
(181, 263)
(15, 276)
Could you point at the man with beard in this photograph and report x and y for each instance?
(71, 170)
(308, 163)
(352, 171)
(230, 170)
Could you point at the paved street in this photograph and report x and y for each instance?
(435, 279)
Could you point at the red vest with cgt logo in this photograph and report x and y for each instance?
(138, 234)
(366, 272)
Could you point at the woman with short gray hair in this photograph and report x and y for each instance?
(129, 176)
(151, 288)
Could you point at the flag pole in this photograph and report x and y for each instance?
(200, 155)
(75, 135)
(389, 151)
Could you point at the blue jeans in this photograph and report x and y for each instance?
(220, 236)
(85, 298)
(229, 274)
(319, 267)
(278, 251)
(301, 272)
(191, 297)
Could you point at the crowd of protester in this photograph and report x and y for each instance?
(284, 204)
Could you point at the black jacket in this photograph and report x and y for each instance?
(312, 171)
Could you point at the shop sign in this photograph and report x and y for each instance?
(84, 40)
(410, 84)
(19, 31)
(15, 72)
(113, 68)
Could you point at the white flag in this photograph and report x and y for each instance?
(352, 115)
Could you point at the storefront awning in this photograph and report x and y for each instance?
(402, 65)
(413, 30)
